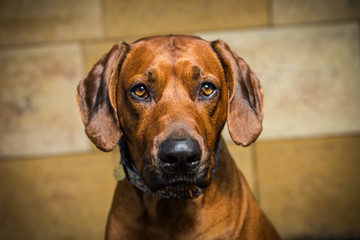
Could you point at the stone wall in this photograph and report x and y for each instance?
(304, 169)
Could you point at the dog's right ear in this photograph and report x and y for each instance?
(97, 101)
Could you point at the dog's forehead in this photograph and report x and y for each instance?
(171, 50)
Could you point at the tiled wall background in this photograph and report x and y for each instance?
(304, 170)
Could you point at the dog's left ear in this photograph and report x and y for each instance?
(245, 105)
(97, 101)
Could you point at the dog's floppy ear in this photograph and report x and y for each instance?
(97, 101)
(245, 103)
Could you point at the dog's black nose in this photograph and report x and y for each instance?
(180, 155)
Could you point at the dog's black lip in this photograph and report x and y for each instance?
(158, 180)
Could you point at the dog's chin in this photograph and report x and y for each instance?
(156, 183)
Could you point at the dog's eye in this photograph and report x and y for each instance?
(206, 90)
(140, 91)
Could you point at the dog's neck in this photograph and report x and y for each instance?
(171, 191)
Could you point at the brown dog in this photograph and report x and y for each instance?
(169, 97)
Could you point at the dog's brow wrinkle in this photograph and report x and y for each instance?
(196, 72)
(172, 45)
(151, 76)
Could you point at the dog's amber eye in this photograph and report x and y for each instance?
(206, 90)
(140, 91)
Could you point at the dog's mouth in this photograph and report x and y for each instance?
(159, 179)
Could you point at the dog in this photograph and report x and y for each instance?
(165, 101)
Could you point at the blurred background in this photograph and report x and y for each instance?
(304, 169)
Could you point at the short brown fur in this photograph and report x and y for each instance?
(174, 68)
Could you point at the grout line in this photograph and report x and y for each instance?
(105, 37)
(358, 22)
(255, 173)
(104, 30)
(270, 10)
(83, 58)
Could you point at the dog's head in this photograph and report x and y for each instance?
(170, 96)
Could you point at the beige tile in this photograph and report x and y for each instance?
(33, 21)
(311, 187)
(94, 50)
(295, 11)
(310, 76)
(244, 158)
(165, 17)
(37, 100)
(56, 198)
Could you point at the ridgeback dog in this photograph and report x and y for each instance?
(165, 101)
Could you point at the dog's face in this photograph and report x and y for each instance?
(170, 96)
(172, 102)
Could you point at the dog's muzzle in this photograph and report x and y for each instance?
(179, 177)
